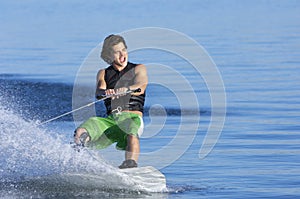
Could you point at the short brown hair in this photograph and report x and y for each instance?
(109, 42)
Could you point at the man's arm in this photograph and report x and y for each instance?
(101, 84)
(141, 79)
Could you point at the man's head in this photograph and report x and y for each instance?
(114, 50)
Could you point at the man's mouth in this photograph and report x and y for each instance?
(123, 59)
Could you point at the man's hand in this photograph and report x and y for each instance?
(119, 92)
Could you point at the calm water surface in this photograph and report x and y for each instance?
(255, 45)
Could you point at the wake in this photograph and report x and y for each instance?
(30, 155)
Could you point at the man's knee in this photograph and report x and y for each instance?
(81, 135)
(132, 139)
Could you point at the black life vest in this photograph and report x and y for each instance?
(116, 79)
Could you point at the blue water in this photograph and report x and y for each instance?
(48, 53)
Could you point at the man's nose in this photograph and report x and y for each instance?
(122, 53)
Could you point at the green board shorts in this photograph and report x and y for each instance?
(113, 129)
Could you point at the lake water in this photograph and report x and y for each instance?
(222, 116)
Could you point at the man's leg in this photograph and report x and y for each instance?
(133, 148)
(92, 130)
(134, 127)
(132, 152)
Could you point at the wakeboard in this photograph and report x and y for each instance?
(144, 179)
(147, 177)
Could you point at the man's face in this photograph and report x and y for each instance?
(120, 55)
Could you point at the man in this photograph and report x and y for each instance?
(124, 123)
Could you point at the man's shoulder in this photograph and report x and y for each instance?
(135, 64)
(140, 67)
(110, 67)
(104, 70)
